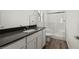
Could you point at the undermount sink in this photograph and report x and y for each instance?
(28, 31)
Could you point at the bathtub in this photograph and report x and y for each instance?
(60, 35)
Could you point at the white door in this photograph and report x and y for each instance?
(72, 28)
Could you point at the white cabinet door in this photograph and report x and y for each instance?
(39, 43)
(31, 44)
(20, 44)
(44, 38)
(39, 40)
(31, 41)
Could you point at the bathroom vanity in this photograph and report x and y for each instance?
(24, 39)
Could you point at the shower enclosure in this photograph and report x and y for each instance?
(56, 25)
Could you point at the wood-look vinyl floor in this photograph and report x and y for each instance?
(56, 44)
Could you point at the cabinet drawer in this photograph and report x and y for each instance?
(16, 45)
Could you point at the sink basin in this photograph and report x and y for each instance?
(28, 31)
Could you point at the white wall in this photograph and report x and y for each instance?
(72, 28)
(45, 18)
(15, 18)
(41, 20)
(34, 18)
(0, 17)
(0, 20)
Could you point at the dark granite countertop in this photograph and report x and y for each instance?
(9, 38)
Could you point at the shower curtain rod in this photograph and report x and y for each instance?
(56, 12)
